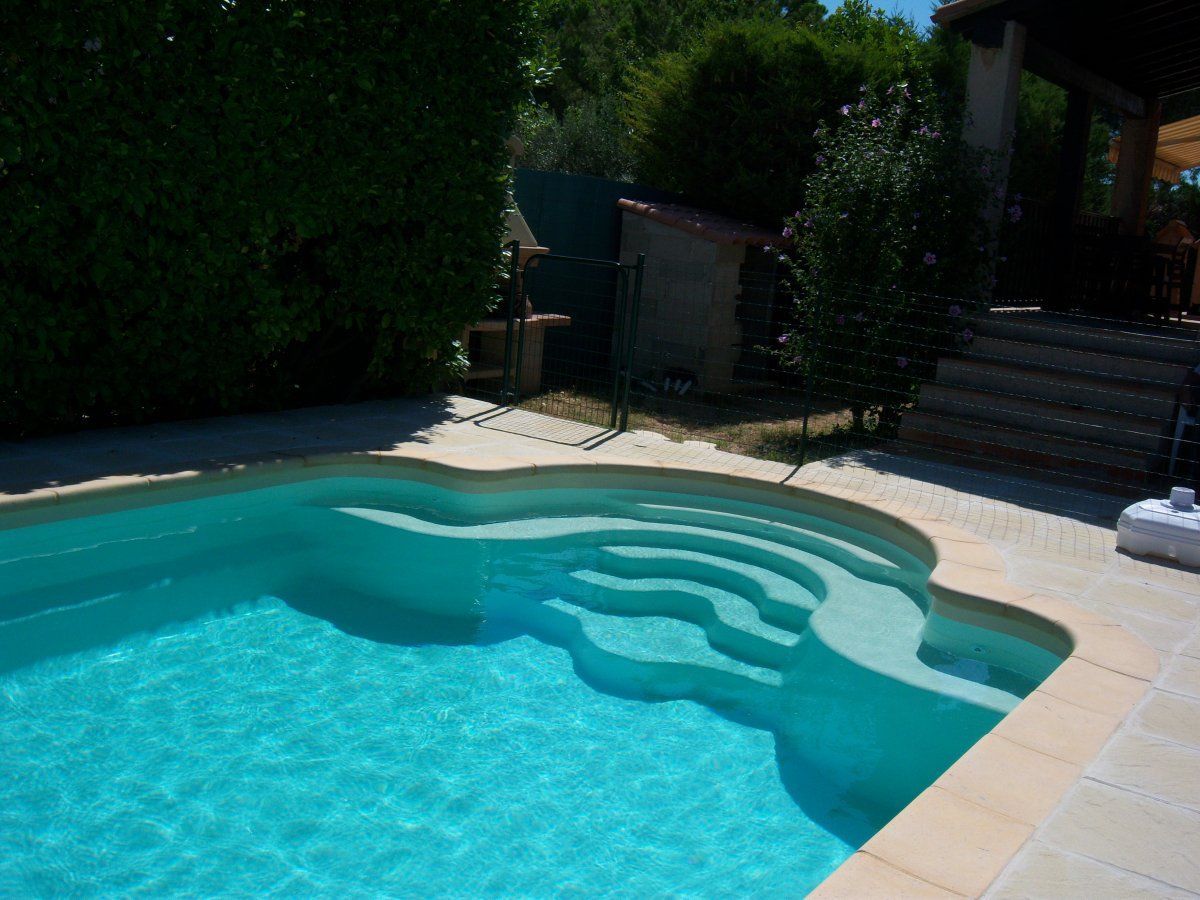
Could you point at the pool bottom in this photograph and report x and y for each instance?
(266, 750)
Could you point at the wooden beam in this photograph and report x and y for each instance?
(1053, 66)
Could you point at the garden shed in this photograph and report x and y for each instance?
(710, 300)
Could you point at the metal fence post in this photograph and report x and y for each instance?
(514, 265)
(520, 301)
(632, 342)
(808, 381)
(619, 315)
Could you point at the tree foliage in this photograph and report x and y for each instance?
(209, 206)
(729, 121)
(594, 44)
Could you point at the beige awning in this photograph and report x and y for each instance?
(1178, 149)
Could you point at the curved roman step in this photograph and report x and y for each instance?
(645, 659)
(731, 623)
(794, 530)
(780, 601)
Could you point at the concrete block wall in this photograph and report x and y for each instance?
(689, 299)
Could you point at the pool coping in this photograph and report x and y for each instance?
(953, 839)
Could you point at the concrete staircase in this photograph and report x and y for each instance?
(1041, 393)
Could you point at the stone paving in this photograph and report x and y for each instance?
(1130, 825)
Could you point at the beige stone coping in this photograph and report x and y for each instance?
(956, 836)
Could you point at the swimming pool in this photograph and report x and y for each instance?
(369, 685)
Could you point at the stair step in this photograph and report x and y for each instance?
(1172, 344)
(1167, 375)
(1087, 465)
(1037, 383)
(1081, 423)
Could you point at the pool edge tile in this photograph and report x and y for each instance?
(950, 842)
(863, 875)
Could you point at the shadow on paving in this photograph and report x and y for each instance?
(219, 442)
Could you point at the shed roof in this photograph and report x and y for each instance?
(710, 226)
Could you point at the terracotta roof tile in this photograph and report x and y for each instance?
(709, 225)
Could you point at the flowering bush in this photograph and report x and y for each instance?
(889, 253)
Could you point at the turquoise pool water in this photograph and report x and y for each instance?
(361, 686)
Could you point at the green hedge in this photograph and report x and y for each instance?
(210, 206)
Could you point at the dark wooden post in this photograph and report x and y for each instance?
(1071, 164)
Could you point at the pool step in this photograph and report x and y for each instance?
(731, 623)
(781, 602)
(660, 639)
(650, 658)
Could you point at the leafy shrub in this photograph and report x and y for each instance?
(209, 206)
(891, 251)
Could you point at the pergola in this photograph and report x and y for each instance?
(1128, 54)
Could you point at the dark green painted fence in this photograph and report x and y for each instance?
(577, 215)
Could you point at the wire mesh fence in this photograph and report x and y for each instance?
(724, 354)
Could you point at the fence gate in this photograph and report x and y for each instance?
(568, 337)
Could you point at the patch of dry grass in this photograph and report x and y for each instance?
(767, 426)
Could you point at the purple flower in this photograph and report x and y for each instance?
(808, 223)
(935, 135)
(875, 123)
(92, 45)
(956, 310)
(892, 88)
(783, 338)
(902, 361)
(845, 110)
(967, 335)
(1015, 212)
(923, 130)
(787, 231)
(999, 192)
(862, 88)
(820, 158)
(858, 316)
(841, 320)
(985, 169)
(929, 258)
(796, 214)
(862, 104)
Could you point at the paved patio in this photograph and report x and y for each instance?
(1129, 827)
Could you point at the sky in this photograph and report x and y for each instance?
(917, 10)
